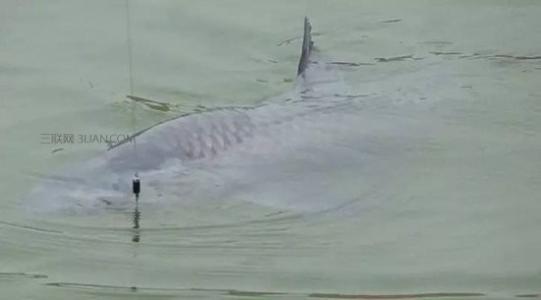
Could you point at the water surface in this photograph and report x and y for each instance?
(433, 193)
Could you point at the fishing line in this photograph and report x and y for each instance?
(129, 45)
(136, 183)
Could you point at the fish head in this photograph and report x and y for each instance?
(81, 191)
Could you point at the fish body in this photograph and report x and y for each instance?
(288, 151)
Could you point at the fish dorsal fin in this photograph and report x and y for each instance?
(307, 46)
(316, 78)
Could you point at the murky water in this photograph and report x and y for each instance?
(423, 180)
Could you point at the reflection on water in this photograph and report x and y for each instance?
(136, 217)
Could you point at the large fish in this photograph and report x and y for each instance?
(312, 148)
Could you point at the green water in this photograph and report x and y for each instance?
(456, 214)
